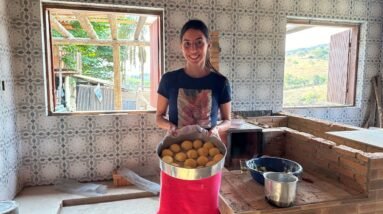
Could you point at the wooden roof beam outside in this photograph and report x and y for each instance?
(60, 28)
(140, 25)
(101, 42)
(86, 25)
(113, 25)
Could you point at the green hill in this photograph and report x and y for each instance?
(315, 52)
(306, 69)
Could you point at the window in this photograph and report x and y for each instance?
(101, 58)
(320, 64)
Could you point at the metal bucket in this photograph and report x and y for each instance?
(191, 174)
(280, 188)
(8, 207)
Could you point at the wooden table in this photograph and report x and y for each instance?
(240, 194)
(372, 137)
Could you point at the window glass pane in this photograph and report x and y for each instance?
(314, 61)
(102, 60)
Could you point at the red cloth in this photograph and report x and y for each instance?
(179, 196)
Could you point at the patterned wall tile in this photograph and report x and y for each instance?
(244, 70)
(246, 23)
(321, 113)
(225, 22)
(262, 90)
(227, 47)
(243, 94)
(244, 47)
(247, 5)
(358, 10)
(264, 69)
(372, 50)
(176, 19)
(324, 8)
(288, 6)
(265, 47)
(375, 9)
(342, 8)
(90, 147)
(265, 5)
(372, 69)
(374, 31)
(306, 7)
(225, 3)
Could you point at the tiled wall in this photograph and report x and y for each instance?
(252, 42)
(10, 152)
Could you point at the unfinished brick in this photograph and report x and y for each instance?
(376, 160)
(348, 163)
(362, 156)
(361, 179)
(346, 151)
(373, 149)
(376, 184)
(376, 174)
(328, 154)
(353, 184)
(320, 142)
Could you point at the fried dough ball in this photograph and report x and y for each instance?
(210, 163)
(167, 159)
(180, 156)
(213, 151)
(217, 157)
(203, 152)
(197, 144)
(190, 163)
(192, 154)
(208, 145)
(187, 145)
(202, 160)
(166, 152)
(175, 148)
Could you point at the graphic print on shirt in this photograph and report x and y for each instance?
(194, 107)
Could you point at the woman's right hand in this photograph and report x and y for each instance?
(172, 130)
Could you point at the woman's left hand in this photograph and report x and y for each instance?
(214, 132)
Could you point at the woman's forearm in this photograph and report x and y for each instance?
(224, 126)
(164, 123)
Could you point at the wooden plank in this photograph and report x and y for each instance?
(351, 77)
(117, 78)
(60, 28)
(338, 67)
(377, 84)
(106, 198)
(140, 25)
(101, 42)
(113, 25)
(86, 25)
(241, 194)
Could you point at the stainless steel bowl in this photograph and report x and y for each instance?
(191, 174)
(280, 188)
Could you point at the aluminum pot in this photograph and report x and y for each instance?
(280, 188)
(191, 174)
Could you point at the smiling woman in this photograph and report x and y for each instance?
(102, 59)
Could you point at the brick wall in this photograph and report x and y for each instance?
(355, 165)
